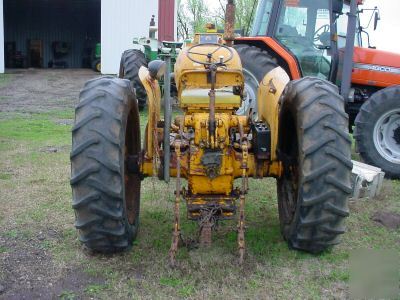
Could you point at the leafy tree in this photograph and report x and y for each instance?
(193, 15)
(245, 11)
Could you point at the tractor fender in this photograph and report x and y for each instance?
(153, 92)
(269, 94)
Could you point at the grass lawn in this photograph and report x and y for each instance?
(36, 215)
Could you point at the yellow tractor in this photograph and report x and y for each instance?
(300, 137)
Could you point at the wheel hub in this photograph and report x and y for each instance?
(249, 105)
(396, 134)
(387, 136)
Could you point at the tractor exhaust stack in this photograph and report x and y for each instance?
(229, 35)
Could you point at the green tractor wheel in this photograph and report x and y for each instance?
(131, 62)
(96, 65)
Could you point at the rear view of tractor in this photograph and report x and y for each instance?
(298, 135)
(316, 38)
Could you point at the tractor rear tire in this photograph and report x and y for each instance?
(256, 64)
(377, 131)
(131, 61)
(105, 152)
(315, 148)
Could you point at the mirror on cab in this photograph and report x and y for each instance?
(376, 20)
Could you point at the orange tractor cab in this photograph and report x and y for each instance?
(323, 39)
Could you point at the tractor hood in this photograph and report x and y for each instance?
(376, 57)
(375, 67)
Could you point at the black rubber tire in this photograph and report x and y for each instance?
(257, 62)
(95, 65)
(106, 194)
(315, 148)
(377, 105)
(131, 61)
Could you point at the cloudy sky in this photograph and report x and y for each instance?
(384, 37)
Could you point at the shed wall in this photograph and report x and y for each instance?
(121, 21)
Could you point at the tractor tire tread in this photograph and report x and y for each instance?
(131, 61)
(96, 179)
(325, 152)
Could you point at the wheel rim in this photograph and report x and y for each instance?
(98, 67)
(289, 183)
(249, 105)
(387, 136)
(290, 192)
(132, 178)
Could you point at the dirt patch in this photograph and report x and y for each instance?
(29, 272)
(54, 149)
(388, 219)
(43, 90)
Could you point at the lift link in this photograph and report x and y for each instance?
(241, 225)
(177, 227)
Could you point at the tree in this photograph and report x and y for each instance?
(192, 17)
(183, 22)
(245, 10)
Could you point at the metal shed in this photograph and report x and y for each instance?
(63, 33)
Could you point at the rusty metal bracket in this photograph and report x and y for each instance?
(244, 188)
(177, 229)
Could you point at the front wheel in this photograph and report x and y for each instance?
(315, 149)
(377, 131)
(96, 65)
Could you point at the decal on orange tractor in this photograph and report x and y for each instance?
(375, 67)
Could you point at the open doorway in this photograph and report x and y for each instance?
(51, 34)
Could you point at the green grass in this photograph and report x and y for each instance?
(36, 196)
(67, 295)
(35, 128)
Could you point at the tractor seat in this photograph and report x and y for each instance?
(223, 96)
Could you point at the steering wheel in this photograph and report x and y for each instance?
(209, 56)
(320, 31)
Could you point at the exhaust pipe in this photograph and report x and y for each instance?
(229, 35)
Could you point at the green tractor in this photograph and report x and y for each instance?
(143, 51)
(96, 58)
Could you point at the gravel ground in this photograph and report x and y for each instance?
(42, 90)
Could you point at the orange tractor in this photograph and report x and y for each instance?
(316, 38)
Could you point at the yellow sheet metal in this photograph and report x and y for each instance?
(269, 93)
(200, 96)
(153, 103)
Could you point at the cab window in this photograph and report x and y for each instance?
(262, 18)
(304, 29)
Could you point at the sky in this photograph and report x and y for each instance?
(385, 37)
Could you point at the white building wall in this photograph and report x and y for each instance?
(1, 38)
(121, 21)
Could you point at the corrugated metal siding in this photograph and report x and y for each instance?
(166, 20)
(1, 38)
(73, 21)
(121, 21)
